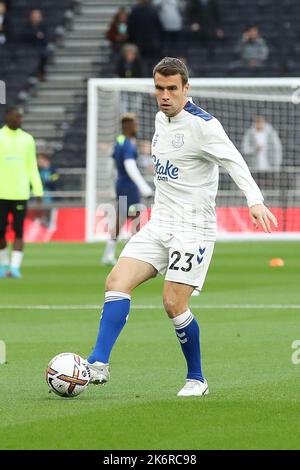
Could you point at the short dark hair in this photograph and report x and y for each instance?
(12, 108)
(172, 66)
(252, 25)
(128, 117)
(43, 155)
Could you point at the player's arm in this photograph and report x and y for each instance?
(135, 175)
(129, 160)
(218, 148)
(33, 172)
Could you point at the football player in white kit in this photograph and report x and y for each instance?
(188, 146)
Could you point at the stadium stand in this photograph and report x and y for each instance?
(92, 60)
(18, 59)
(278, 25)
(56, 108)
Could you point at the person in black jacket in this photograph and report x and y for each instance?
(36, 35)
(205, 22)
(145, 29)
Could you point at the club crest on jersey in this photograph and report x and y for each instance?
(178, 141)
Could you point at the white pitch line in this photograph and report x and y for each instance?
(152, 307)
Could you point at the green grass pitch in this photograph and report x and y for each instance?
(254, 400)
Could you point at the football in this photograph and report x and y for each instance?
(67, 375)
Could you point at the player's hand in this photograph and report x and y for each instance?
(261, 215)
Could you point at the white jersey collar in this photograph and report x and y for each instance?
(181, 114)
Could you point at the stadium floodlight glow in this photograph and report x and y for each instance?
(235, 102)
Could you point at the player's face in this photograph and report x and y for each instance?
(260, 124)
(134, 128)
(14, 119)
(130, 128)
(171, 95)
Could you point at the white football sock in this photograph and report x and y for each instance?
(16, 259)
(183, 320)
(4, 259)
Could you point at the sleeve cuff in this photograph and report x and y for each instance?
(254, 202)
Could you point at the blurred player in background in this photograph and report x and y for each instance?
(49, 176)
(188, 146)
(130, 185)
(18, 171)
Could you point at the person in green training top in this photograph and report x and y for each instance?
(18, 173)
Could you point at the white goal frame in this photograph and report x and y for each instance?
(146, 85)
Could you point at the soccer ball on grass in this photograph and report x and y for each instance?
(67, 375)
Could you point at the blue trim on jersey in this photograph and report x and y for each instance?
(196, 111)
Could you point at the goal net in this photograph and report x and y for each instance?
(261, 117)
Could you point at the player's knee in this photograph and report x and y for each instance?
(172, 305)
(115, 283)
(110, 282)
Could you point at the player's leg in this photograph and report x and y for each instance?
(109, 254)
(176, 298)
(188, 264)
(128, 197)
(125, 276)
(19, 209)
(4, 257)
(141, 259)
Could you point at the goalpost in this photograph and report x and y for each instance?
(236, 102)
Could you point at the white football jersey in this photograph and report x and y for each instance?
(187, 150)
